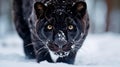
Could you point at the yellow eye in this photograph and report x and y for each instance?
(70, 27)
(49, 27)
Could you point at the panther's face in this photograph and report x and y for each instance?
(59, 28)
(60, 35)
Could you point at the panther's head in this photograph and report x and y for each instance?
(60, 26)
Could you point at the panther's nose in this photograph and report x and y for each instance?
(60, 44)
(60, 39)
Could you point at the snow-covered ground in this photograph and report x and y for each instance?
(99, 50)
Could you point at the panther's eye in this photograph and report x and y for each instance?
(70, 27)
(49, 27)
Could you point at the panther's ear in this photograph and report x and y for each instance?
(79, 8)
(39, 9)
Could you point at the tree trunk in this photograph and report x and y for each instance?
(109, 9)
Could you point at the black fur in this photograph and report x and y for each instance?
(21, 23)
(32, 18)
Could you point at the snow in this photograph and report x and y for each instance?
(99, 50)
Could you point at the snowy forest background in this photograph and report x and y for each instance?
(100, 48)
(104, 16)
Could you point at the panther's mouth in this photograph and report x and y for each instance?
(61, 54)
(60, 51)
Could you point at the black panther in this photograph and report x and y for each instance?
(52, 30)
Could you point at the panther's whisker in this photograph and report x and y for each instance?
(29, 44)
(40, 52)
(46, 53)
(79, 41)
(39, 49)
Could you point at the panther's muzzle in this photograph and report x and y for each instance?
(60, 46)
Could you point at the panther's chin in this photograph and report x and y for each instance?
(56, 55)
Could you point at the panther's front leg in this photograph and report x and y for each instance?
(41, 52)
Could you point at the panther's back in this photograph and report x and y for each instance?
(22, 10)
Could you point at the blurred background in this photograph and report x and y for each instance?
(104, 16)
(102, 46)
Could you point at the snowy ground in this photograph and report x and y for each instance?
(99, 50)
